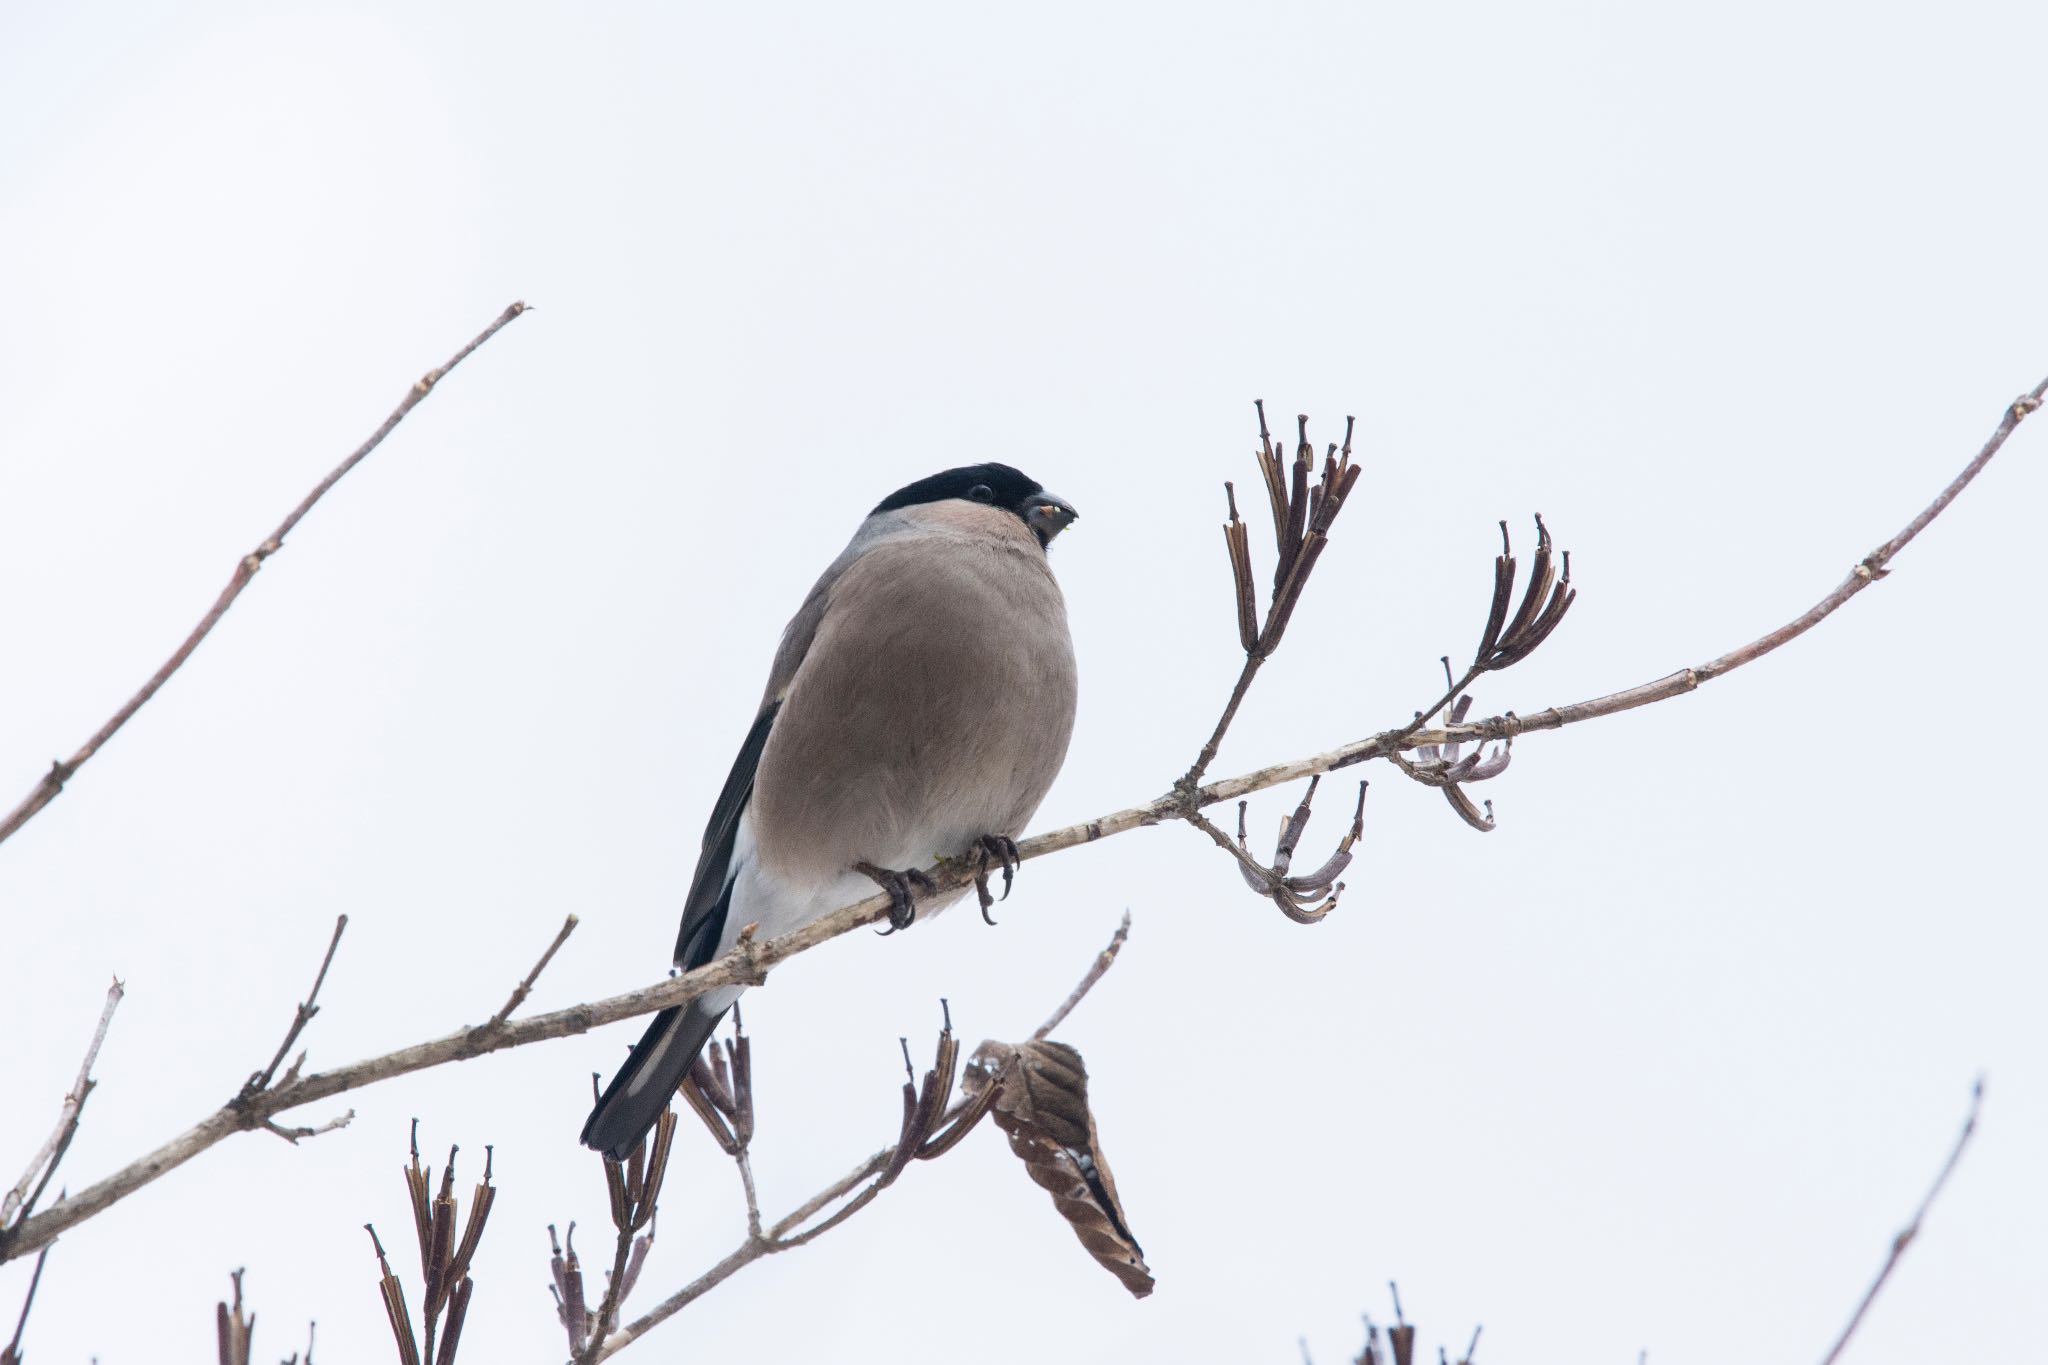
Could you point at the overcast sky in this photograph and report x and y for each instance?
(1662, 1063)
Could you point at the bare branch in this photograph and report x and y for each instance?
(525, 987)
(1867, 571)
(11, 1355)
(748, 962)
(1912, 1229)
(62, 770)
(260, 1080)
(1104, 960)
(22, 1198)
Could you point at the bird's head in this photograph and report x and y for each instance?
(992, 485)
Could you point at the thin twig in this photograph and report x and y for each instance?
(1912, 1229)
(748, 963)
(746, 1165)
(61, 771)
(1103, 961)
(292, 1135)
(302, 1016)
(19, 1200)
(614, 1292)
(12, 1354)
(520, 992)
(1252, 663)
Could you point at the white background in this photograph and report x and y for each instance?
(1662, 1063)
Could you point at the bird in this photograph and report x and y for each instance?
(919, 706)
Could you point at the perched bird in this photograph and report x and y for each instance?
(919, 706)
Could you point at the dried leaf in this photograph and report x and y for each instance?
(1043, 1108)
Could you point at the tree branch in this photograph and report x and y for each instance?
(259, 1081)
(1104, 960)
(1912, 1229)
(11, 1353)
(1868, 570)
(21, 1200)
(748, 962)
(62, 770)
(524, 988)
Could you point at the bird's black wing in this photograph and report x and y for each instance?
(711, 888)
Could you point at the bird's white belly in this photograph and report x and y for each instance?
(781, 904)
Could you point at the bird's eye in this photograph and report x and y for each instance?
(981, 492)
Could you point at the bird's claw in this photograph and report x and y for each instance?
(903, 888)
(992, 850)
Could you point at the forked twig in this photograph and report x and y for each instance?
(260, 1080)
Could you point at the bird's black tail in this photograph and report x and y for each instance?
(644, 1085)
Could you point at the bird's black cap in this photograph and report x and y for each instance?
(1004, 487)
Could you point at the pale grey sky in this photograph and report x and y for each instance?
(1662, 1063)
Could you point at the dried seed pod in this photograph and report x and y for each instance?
(1237, 541)
(1369, 1354)
(720, 1090)
(1302, 517)
(570, 1306)
(480, 1200)
(1506, 642)
(1401, 1336)
(1443, 768)
(395, 1311)
(458, 1310)
(924, 1103)
(1304, 898)
(233, 1328)
(445, 1258)
(418, 1185)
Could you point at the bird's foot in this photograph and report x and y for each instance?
(988, 852)
(900, 886)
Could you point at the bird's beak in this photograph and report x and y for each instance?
(1048, 515)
